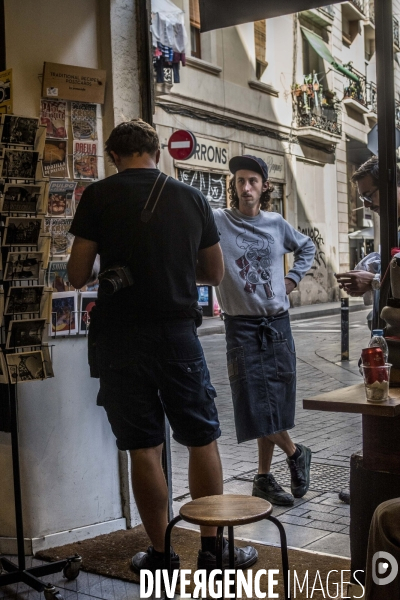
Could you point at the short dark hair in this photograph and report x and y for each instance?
(131, 137)
(371, 167)
(265, 200)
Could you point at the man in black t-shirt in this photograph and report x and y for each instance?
(149, 357)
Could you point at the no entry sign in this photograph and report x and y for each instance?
(182, 144)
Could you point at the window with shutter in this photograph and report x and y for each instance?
(260, 40)
(194, 12)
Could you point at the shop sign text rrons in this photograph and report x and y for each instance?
(210, 154)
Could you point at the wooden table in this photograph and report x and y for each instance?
(374, 475)
(381, 435)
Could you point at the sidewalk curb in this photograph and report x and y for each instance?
(294, 314)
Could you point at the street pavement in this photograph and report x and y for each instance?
(319, 521)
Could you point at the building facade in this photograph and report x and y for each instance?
(300, 91)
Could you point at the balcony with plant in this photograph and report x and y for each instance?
(315, 107)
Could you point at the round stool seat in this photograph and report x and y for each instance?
(225, 511)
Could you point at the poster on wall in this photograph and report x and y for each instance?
(55, 160)
(53, 116)
(84, 121)
(73, 83)
(6, 92)
(19, 131)
(85, 160)
(18, 164)
(60, 198)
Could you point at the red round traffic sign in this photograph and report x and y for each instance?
(182, 144)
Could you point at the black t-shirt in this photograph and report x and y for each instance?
(161, 254)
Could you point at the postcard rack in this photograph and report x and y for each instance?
(24, 314)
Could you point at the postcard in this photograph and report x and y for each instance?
(25, 366)
(80, 188)
(24, 198)
(53, 116)
(23, 299)
(55, 159)
(88, 301)
(19, 164)
(57, 276)
(47, 362)
(3, 369)
(25, 332)
(6, 92)
(84, 121)
(64, 313)
(60, 198)
(22, 231)
(85, 160)
(61, 239)
(18, 130)
(23, 266)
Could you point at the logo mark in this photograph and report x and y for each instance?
(388, 569)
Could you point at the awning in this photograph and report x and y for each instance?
(323, 51)
(225, 13)
(362, 234)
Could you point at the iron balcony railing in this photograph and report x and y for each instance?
(329, 9)
(396, 33)
(360, 5)
(371, 11)
(316, 108)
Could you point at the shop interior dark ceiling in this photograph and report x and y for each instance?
(225, 13)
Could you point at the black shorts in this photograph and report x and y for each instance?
(148, 370)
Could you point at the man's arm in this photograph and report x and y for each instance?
(210, 266)
(81, 261)
(355, 283)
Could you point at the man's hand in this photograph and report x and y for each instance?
(355, 283)
(290, 285)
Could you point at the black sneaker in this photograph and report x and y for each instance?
(147, 560)
(244, 558)
(344, 496)
(266, 487)
(300, 471)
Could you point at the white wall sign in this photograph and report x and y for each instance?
(275, 162)
(210, 154)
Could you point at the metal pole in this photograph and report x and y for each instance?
(386, 133)
(344, 316)
(17, 477)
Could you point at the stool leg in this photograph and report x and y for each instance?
(231, 548)
(231, 552)
(284, 554)
(218, 547)
(167, 545)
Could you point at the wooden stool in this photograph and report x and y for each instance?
(228, 511)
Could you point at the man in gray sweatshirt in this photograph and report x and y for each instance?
(253, 296)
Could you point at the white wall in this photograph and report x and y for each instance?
(69, 460)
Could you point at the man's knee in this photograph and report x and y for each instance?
(152, 453)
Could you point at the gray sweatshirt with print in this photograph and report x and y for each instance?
(254, 249)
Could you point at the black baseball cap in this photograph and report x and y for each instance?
(249, 163)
